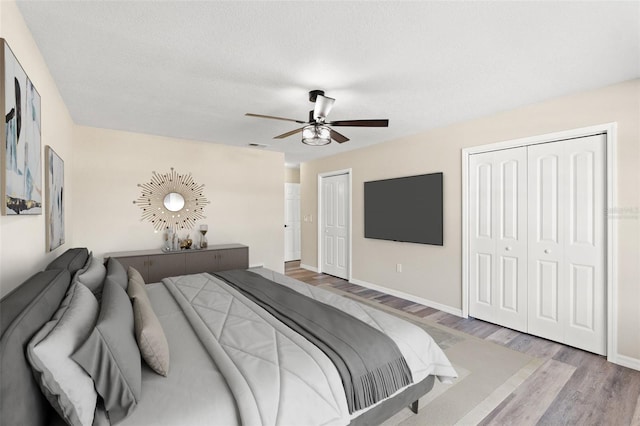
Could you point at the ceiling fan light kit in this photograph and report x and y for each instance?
(316, 135)
(317, 131)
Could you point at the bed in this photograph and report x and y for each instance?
(229, 360)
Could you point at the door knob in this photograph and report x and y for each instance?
(547, 251)
(507, 248)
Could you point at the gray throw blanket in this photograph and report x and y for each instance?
(369, 363)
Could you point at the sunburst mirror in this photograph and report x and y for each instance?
(171, 200)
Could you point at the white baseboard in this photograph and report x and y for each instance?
(625, 361)
(257, 265)
(311, 268)
(622, 360)
(411, 297)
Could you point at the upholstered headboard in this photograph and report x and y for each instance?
(22, 313)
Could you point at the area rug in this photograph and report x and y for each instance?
(487, 372)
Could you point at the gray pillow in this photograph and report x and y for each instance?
(64, 383)
(152, 342)
(116, 273)
(110, 354)
(23, 312)
(92, 276)
(71, 260)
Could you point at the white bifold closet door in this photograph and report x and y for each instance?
(498, 237)
(567, 295)
(537, 243)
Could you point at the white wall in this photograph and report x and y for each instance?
(434, 273)
(243, 185)
(23, 238)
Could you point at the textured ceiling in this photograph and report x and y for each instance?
(192, 69)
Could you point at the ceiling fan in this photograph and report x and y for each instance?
(317, 131)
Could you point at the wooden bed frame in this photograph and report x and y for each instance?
(27, 308)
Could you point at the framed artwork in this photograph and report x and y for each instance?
(54, 183)
(20, 154)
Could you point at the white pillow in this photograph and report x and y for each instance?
(64, 383)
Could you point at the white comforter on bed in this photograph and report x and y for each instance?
(276, 376)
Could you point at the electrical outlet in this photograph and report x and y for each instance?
(398, 267)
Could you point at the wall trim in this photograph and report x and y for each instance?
(610, 130)
(439, 306)
(311, 268)
(625, 361)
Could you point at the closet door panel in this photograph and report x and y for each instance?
(498, 237)
(566, 230)
(585, 241)
(510, 202)
(546, 192)
(482, 241)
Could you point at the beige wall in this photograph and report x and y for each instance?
(103, 168)
(245, 207)
(22, 238)
(291, 175)
(434, 273)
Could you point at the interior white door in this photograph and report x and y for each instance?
(498, 237)
(567, 299)
(335, 225)
(291, 221)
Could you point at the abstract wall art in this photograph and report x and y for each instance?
(54, 200)
(21, 164)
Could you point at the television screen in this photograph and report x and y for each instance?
(407, 209)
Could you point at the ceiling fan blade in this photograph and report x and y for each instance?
(274, 118)
(338, 137)
(322, 108)
(285, 135)
(360, 123)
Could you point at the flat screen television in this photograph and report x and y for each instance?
(407, 209)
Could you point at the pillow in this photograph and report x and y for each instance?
(116, 273)
(71, 260)
(92, 276)
(64, 383)
(24, 311)
(149, 334)
(135, 277)
(110, 354)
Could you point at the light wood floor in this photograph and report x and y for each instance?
(572, 387)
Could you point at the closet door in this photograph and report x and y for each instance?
(498, 237)
(566, 242)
